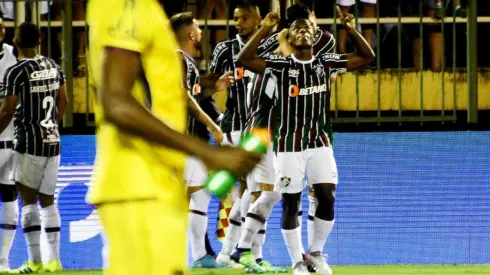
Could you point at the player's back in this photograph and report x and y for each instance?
(127, 167)
(36, 82)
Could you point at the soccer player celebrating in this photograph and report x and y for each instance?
(188, 36)
(141, 146)
(253, 232)
(301, 141)
(34, 94)
(247, 19)
(8, 193)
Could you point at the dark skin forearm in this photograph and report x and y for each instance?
(248, 56)
(207, 83)
(364, 54)
(362, 46)
(120, 69)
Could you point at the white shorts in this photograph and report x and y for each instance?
(318, 164)
(232, 138)
(39, 173)
(348, 3)
(195, 172)
(6, 163)
(263, 172)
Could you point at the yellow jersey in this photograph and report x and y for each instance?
(127, 167)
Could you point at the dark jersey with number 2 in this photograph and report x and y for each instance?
(300, 92)
(37, 83)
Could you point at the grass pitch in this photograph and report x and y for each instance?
(347, 270)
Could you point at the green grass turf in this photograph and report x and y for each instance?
(351, 270)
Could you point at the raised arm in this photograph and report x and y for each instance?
(365, 53)
(248, 55)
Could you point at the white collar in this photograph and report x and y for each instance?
(303, 61)
(188, 56)
(240, 41)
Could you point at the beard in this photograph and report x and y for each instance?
(303, 47)
(198, 45)
(246, 36)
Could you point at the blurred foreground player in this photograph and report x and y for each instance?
(34, 94)
(8, 193)
(141, 117)
(200, 122)
(301, 139)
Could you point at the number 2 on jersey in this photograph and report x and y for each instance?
(48, 103)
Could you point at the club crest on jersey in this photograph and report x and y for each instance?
(293, 73)
(295, 91)
(319, 69)
(285, 181)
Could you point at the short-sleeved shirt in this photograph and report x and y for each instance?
(324, 42)
(36, 82)
(224, 60)
(129, 167)
(192, 84)
(300, 92)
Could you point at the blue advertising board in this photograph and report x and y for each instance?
(403, 198)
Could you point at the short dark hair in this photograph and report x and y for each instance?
(248, 4)
(297, 11)
(181, 19)
(27, 35)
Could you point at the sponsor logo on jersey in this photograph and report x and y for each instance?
(196, 89)
(295, 91)
(241, 73)
(293, 73)
(43, 75)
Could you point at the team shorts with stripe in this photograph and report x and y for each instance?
(348, 3)
(6, 163)
(263, 173)
(143, 237)
(317, 164)
(195, 172)
(39, 173)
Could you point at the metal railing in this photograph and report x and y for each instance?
(447, 111)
